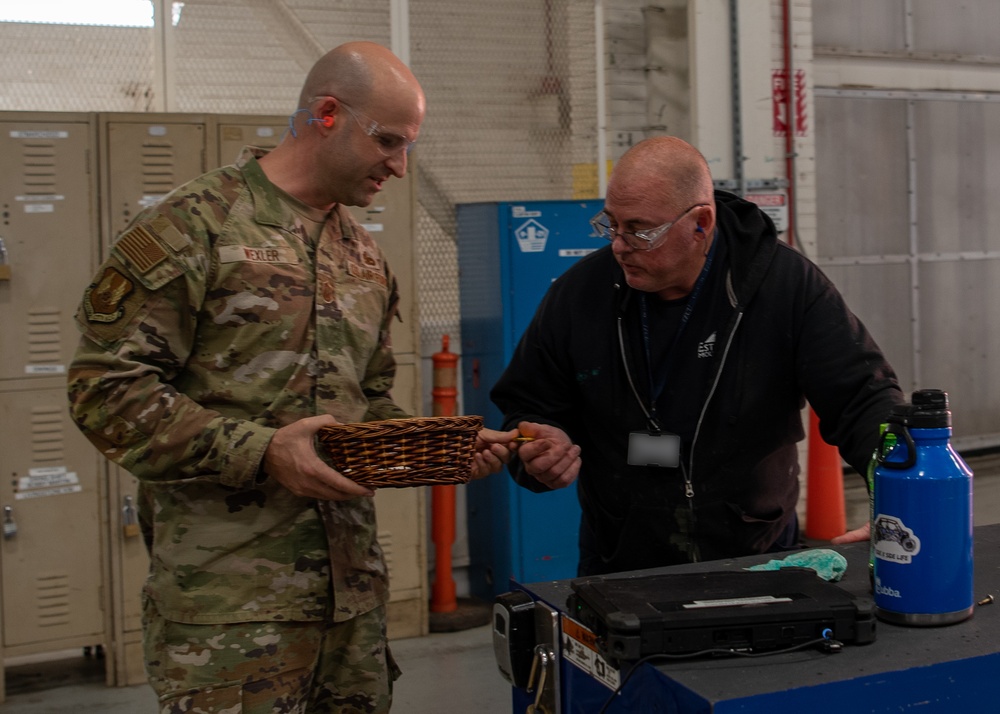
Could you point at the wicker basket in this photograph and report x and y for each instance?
(422, 451)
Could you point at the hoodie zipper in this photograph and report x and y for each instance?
(688, 473)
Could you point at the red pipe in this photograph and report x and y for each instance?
(444, 396)
(789, 117)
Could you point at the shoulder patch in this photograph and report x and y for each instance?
(110, 303)
(141, 249)
(103, 301)
(169, 233)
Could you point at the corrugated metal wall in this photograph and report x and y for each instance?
(908, 166)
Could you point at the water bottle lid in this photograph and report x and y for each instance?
(929, 410)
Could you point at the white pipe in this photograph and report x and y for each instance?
(602, 128)
(399, 29)
(163, 38)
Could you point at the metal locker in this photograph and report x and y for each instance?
(129, 563)
(51, 493)
(52, 549)
(391, 221)
(233, 132)
(509, 254)
(143, 158)
(48, 216)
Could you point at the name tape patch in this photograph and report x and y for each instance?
(254, 254)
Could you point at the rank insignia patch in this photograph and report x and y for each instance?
(104, 300)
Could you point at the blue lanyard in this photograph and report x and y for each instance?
(656, 388)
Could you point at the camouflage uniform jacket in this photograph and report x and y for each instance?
(214, 321)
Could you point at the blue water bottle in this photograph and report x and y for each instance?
(922, 527)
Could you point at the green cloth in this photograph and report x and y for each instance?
(828, 564)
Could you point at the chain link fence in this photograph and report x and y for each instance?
(510, 86)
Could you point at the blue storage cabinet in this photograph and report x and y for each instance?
(509, 254)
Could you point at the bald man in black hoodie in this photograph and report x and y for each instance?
(667, 373)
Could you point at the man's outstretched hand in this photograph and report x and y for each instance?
(855, 536)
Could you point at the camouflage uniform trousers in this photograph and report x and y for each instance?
(270, 667)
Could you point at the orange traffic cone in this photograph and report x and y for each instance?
(825, 517)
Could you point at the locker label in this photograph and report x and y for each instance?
(37, 369)
(39, 134)
(52, 481)
(47, 478)
(41, 493)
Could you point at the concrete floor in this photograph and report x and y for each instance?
(455, 667)
(452, 671)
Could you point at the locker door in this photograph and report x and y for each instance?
(130, 564)
(48, 219)
(51, 564)
(391, 222)
(235, 132)
(390, 219)
(144, 157)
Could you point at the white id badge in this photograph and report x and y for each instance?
(647, 449)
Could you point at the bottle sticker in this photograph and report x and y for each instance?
(893, 540)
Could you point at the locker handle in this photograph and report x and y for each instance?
(9, 526)
(4, 268)
(130, 524)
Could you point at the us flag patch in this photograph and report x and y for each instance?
(141, 248)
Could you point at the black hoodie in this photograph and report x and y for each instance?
(768, 332)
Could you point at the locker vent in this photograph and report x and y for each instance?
(52, 596)
(47, 435)
(44, 336)
(158, 169)
(39, 159)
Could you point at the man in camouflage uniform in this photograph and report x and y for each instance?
(229, 324)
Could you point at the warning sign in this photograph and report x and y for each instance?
(782, 97)
(579, 646)
(531, 236)
(774, 204)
